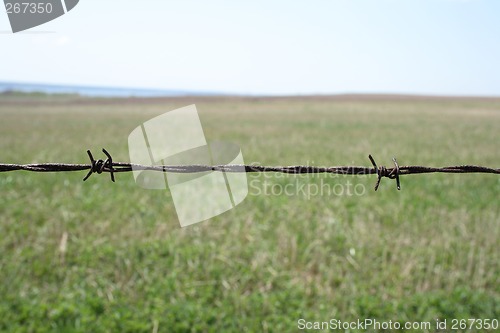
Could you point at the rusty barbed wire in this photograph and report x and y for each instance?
(111, 167)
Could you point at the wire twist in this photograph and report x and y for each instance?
(99, 166)
(384, 172)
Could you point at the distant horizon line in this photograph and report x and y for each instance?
(124, 92)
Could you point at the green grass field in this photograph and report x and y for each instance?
(429, 251)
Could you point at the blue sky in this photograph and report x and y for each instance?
(447, 47)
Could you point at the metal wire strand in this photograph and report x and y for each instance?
(108, 166)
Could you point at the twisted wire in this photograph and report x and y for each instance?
(109, 166)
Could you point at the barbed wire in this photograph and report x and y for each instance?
(111, 167)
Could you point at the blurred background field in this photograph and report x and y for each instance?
(104, 257)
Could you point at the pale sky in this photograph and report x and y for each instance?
(447, 47)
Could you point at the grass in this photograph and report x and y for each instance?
(429, 251)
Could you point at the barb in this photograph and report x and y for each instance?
(100, 165)
(103, 166)
(384, 172)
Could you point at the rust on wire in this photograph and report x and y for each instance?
(107, 165)
(384, 172)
